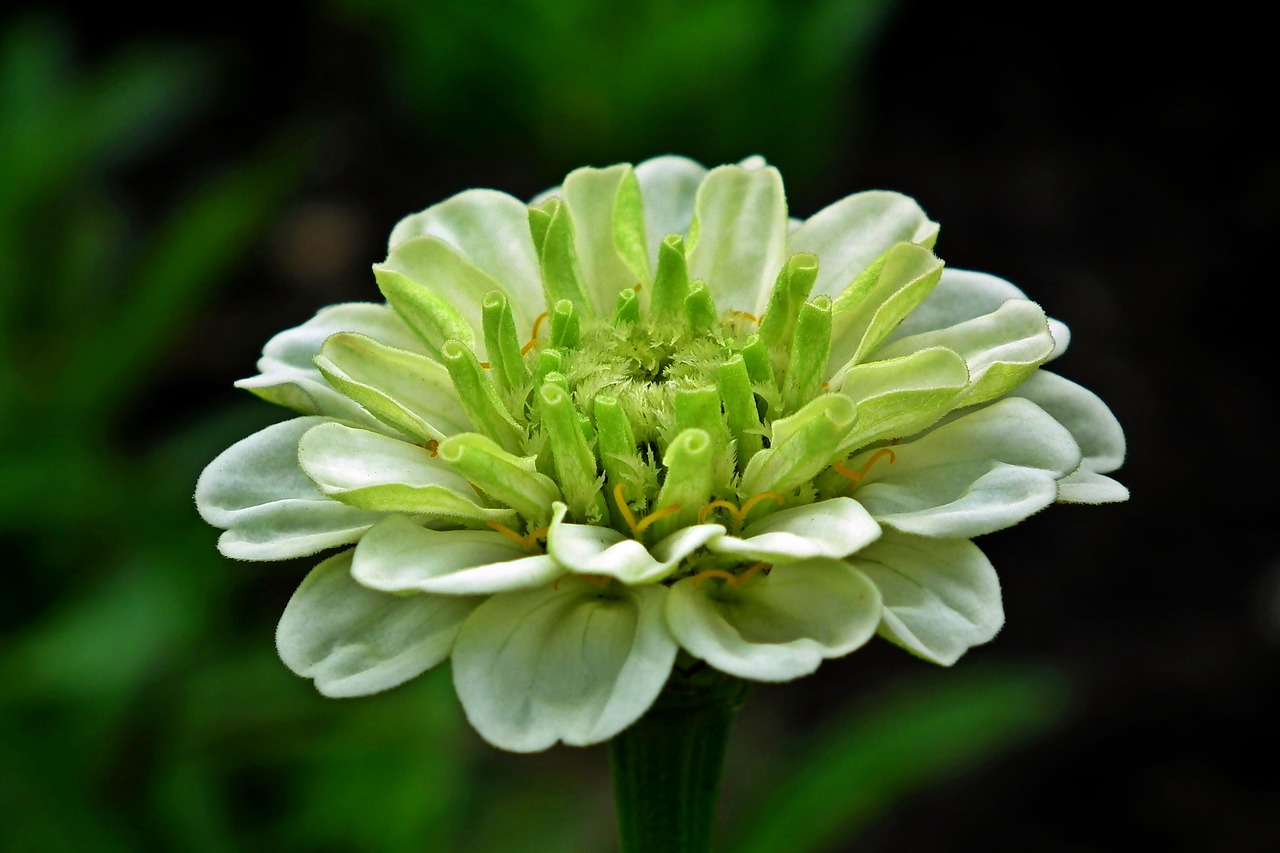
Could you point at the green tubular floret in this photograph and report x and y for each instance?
(553, 237)
(506, 363)
(700, 308)
(565, 325)
(575, 464)
(503, 476)
(671, 282)
(804, 445)
(627, 310)
(687, 484)
(479, 398)
(810, 348)
(740, 408)
(619, 457)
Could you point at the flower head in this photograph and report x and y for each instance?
(650, 419)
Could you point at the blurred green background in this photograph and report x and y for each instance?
(173, 192)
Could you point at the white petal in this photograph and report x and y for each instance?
(984, 471)
(1090, 421)
(741, 239)
(848, 235)
(354, 641)
(572, 663)
(831, 528)
(1087, 487)
(668, 186)
(409, 392)
(1001, 349)
(491, 230)
(593, 550)
(287, 375)
(960, 295)
(778, 626)
(400, 556)
(269, 508)
(963, 295)
(607, 222)
(445, 271)
(941, 596)
(363, 468)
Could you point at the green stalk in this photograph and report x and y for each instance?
(667, 766)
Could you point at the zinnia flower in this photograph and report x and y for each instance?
(651, 422)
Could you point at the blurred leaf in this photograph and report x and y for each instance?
(192, 253)
(898, 745)
(587, 82)
(60, 128)
(112, 637)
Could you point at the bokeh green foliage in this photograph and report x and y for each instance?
(581, 81)
(140, 707)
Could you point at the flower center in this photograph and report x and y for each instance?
(642, 365)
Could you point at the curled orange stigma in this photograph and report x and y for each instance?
(529, 541)
(740, 513)
(856, 476)
(638, 527)
(733, 580)
(533, 336)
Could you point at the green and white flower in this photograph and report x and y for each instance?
(649, 421)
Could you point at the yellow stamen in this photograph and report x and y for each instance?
(637, 527)
(433, 446)
(533, 336)
(485, 365)
(714, 573)
(856, 476)
(509, 533)
(623, 508)
(600, 581)
(709, 508)
(529, 542)
(654, 516)
(639, 286)
(751, 572)
(744, 315)
(740, 513)
(733, 580)
(755, 499)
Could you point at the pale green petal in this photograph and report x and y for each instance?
(869, 310)
(400, 556)
(779, 626)
(669, 186)
(287, 375)
(445, 272)
(609, 226)
(355, 641)
(965, 295)
(851, 234)
(902, 396)
(831, 528)
(1094, 428)
(268, 507)
(982, 472)
(409, 392)
(372, 471)
(593, 550)
(491, 230)
(570, 662)
(960, 295)
(740, 236)
(1001, 348)
(941, 596)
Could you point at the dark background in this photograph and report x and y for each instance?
(175, 191)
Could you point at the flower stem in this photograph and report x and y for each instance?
(667, 766)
